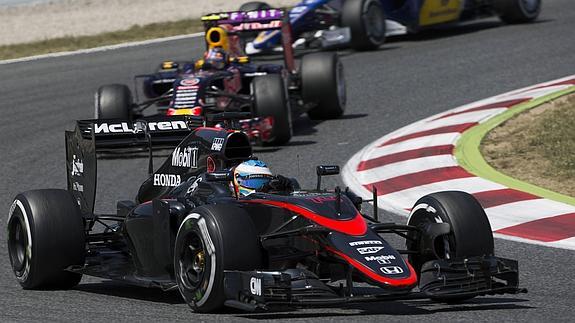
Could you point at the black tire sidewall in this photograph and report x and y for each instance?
(353, 16)
(233, 236)
(113, 101)
(320, 85)
(514, 12)
(56, 229)
(471, 233)
(270, 100)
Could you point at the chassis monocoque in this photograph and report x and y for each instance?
(273, 93)
(364, 24)
(187, 230)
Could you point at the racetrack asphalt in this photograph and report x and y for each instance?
(409, 79)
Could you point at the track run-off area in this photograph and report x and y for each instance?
(441, 153)
(407, 80)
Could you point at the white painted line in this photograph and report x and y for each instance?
(100, 49)
(507, 215)
(410, 144)
(405, 167)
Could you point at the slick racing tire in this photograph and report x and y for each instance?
(323, 85)
(366, 21)
(470, 234)
(45, 236)
(270, 100)
(252, 6)
(113, 101)
(517, 11)
(212, 239)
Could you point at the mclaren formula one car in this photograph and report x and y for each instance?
(364, 24)
(226, 80)
(287, 246)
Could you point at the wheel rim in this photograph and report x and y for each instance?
(193, 265)
(530, 6)
(443, 246)
(374, 23)
(17, 244)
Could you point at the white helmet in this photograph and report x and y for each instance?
(250, 176)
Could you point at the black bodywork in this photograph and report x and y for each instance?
(317, 245)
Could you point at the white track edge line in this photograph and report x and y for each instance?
(100, 49)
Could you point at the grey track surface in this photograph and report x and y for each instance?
(409, 79)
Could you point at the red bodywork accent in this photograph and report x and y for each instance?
(401, 282)
(354, 227)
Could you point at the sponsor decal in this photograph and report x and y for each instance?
(368, 250)
(366, 242)
(77, 166)
(323, 199)
(187, 157)
(256, 286)
(77, 187)
(125, 127)
(194, 186)
(167, 180)
(217, 144)
(190, 82)
(258, 25)
(391, 270)
(383, 259)
(189, 88)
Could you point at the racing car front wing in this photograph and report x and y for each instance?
(439, 279)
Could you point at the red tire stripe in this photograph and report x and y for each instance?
(447, 129)
(546, 230)
(405, 155)
(503, 196)
(430, 176)
(496, 105)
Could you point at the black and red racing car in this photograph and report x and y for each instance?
(279, 245)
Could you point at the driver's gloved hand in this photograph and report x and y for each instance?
(278, 183)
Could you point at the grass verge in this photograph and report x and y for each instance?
(135, 33)
(537, 146)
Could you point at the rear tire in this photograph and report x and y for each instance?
(470, 234)
(323, 85)
(271, 101)
(366, 20)
(113, 101)
(210, 240)
(45, 236)
(517, 11)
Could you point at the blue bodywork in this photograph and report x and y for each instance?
(310, 16)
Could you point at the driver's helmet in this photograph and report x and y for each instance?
(215, 58)
(251, 176)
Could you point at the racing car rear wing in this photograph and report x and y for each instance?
(116, 135)
(249, 21)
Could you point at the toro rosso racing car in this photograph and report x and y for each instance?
(364, 24)
(225, 80)
(280, 245)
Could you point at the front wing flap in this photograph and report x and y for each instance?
(439, 279)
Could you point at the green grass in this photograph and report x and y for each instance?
(135, 33)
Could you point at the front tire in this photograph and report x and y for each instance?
(113, 101)
(323, 85)
(270, 100)
(45, 236)
(210, 240)
(470, 234)
(517, 11)
(366, 21)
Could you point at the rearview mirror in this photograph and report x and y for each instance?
(225, 176)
